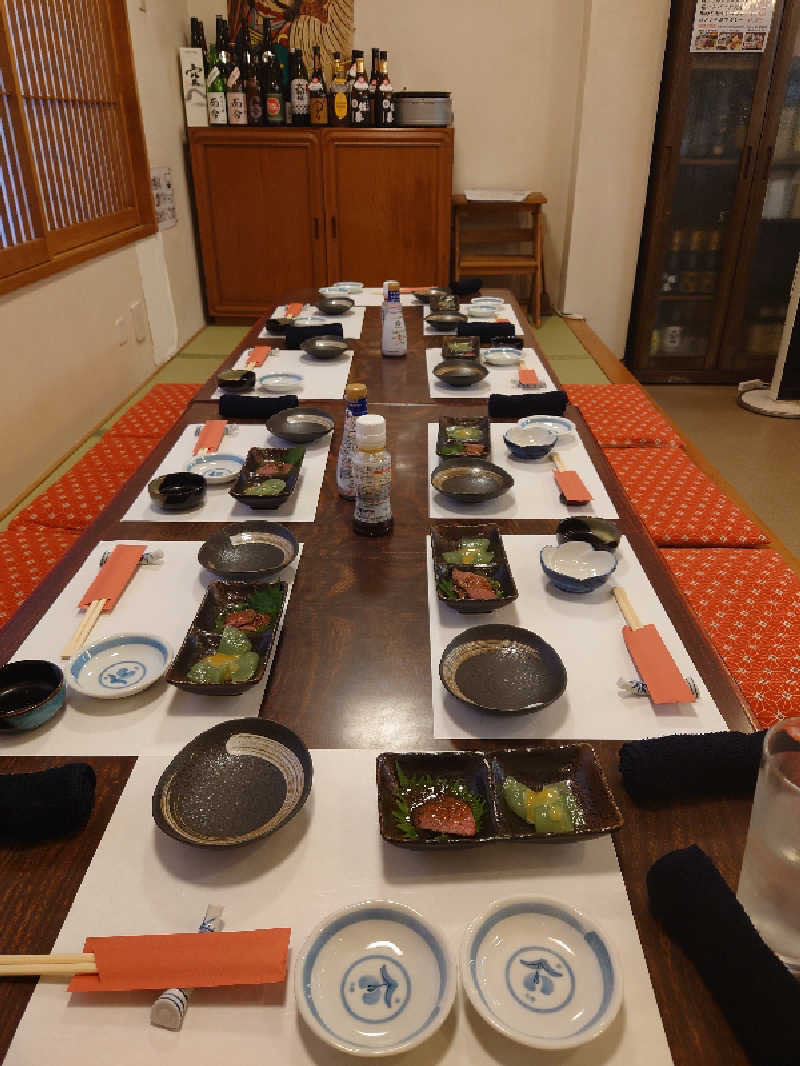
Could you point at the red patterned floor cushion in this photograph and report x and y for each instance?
(749, 605)
(27, 555)
(80, 495)
(156, 413)
(622, 416)
(678, 504)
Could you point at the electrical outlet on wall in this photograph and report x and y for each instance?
(122, 330)
(139, 318)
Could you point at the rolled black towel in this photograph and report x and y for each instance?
(466, 286)
(755, 991)
(487, 331)
(666, 768)
(260, 407)
(516, 407)
(296, 334)
(46, 804)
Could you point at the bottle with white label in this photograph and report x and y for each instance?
(298, 81)
(234, 88)
(372, 475)
(356, 397)
(215, 91)
(394, 340)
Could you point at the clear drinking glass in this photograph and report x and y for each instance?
(769, 884)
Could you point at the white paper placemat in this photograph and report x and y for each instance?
(161, 599)
(534, 493)
(323, 379)
(373, 297)
(505, 311)
(328, 856)
(586, 631)
(503, 379)
(352, 323)
(219, 506)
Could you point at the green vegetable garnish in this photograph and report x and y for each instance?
(273, 486)
(268, 600)
(417, 788)
(295, 455)
(447, 588)
(451, 449)
(471, 433)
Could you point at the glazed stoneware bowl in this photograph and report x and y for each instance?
(236, 380)
(598, 532)
(461, 373)
(31, 692)
(576, 566)
(301, 425)
(374, 979)
(335, 305)
(445, 320)
(181, 491)
(534, 442)
(541, 973)
(470, 480)
(248, 551)
(324, 347)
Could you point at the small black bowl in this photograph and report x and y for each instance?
(599, 532)
(424, 295)
(236, 380)
(178, 492)
(334, 305)
(324, 347)
(301, 425)
(248, 551)
(460, 373)
(446, 321)
(31, 692)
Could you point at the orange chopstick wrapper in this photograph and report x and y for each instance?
(185, 960)
(258, 355)
(527, 376)
(293, 310)
(114, 575)
(572, 488)
(211, 435)
(656, 667)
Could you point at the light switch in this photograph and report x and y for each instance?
(122, 330)
(139, 317)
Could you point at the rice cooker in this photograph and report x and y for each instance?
(423, 109)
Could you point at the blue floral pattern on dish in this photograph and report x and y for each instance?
(375, 989)
(540, 979)
(122, 675)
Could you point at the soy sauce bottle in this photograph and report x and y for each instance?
(372, 475)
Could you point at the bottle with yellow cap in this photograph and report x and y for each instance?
(356, 397)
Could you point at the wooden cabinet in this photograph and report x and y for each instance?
(279, 210)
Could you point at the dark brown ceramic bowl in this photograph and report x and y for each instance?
(470, 480)
(502, 669)
(248, 551)
(446, 321)
(301, 425)
(424, 295)
(324, 347)
(461, 373)
(599, 532)
(446, 539)
(248, 477)
(236, 380)
(334, 305)
(235, 783)
(181, 491)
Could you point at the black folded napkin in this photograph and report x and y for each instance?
(296, 334)
(516, 407)
(466, 286)
(487, 331)
(684, 765)
(46, 804)
(260, 407)
(755, 991)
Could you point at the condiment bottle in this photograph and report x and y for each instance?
(394, 340)
(356, 397)
(372, 474)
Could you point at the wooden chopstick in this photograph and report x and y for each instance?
(79, 637)
(43, 965)
(624, 604)
(202, 451)
(558, 462)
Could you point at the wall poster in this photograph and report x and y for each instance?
(731, 25)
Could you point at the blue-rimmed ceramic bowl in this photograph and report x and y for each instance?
(218, 468)
(531, 443)
(487, 301)
(31, 692)
(374, 979)
(349, 286)
(576, 566)
(541, 973)
(120, 665)
(562, 427)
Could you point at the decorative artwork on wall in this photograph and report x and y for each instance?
(299, 24)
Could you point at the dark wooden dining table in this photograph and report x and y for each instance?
(352, 670)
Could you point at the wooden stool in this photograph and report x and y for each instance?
(468, 261)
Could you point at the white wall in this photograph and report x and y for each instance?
(63, 369)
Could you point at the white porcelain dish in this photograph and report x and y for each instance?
(120, 665)
(218, 468)
(488, 301)
(541, 973)
(374, 979)
(312, 320)
(349, 286)
(481, 311)
(280, 382)
(576, 566)
(500, 356)
(333, 290)
(562, 427)
(533, 442)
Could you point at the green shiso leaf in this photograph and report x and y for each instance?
(267, 600)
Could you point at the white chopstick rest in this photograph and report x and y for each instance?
(170, 1008)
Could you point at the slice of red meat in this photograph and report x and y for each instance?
(248, 621)
(474, 449)
(445, 814)
(271, 468)
(472, 586)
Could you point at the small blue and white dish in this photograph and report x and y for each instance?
(31, 692)
(282, 383)
(576, 566)
(562, 427)
(530, 443)
(501, 355)
(541, 973)
(121, 665)
(332, 290)
(481, 310)
(217, 468)
(487, 301)
(374, 979)
(349, 286)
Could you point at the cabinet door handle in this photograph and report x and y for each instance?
(333, 226)
(316, 229)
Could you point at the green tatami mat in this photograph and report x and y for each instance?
(214, 340)
(575, 371)
(556, 338)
